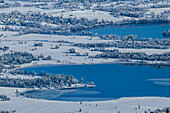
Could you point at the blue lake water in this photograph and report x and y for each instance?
(141, 30)
(112, 80)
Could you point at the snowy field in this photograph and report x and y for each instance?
(90, 14)
(48, 41)
(61, 55)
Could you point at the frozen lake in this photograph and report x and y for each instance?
(112, 80)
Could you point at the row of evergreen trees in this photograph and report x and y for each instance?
(129, 41)
(134, 56)
(17, 58)
(45, 81)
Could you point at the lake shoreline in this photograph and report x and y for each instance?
(104, 99)
(22, 92)
(157, 65)
(99, 29)
(113, 76)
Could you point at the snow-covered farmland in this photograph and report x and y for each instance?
(62, 54)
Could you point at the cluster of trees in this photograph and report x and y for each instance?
(35, 0)
(12, 59)
(1, 67)
(45, 81)
(55, 47)
(96, 45)
(121, 44)
(88, 4)
(156, 19)
(2, 111)
(110, 37)
(8, 5)
(164, 110)
(130, 41)
(69, 1)
(4, 98)
(38, 5)
(21, 72)
(71, 5)
(126, 10)
(133, 8)
(166, 33)
(42, 57)
(38, 44)
(160, 5)
(133, 14)
(84, 54)
(32, 23)
(47, 58)
(5, 48)
(135, 56)
(73, 50)
(17, 58)
(29, 73)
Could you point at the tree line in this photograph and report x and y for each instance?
(45, 81)
(129, 41)
(133, 56)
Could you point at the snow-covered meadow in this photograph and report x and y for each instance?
(62, 54)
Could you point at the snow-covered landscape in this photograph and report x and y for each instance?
(76, 32)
